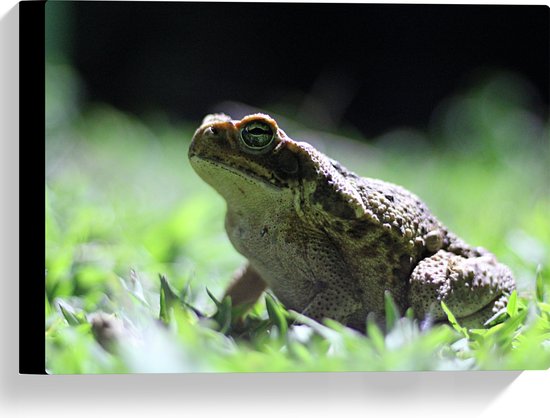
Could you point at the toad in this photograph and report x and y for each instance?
(329, 243)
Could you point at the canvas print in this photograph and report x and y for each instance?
(257, 187)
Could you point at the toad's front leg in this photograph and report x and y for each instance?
(246, 288)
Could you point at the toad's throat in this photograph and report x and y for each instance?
(247, 174)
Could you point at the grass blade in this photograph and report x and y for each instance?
(72, 318)
(223, 315)
(392, 313)
(539, 285)
(276, 314)
(211, 296)
(512, 307)
(453, 320)
(375, 334)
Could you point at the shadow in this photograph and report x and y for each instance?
(373, 390)
(9, 208)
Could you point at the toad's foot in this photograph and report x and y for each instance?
(473, 288)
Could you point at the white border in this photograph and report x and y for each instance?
(460, 394)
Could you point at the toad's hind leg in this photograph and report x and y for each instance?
(473, 288)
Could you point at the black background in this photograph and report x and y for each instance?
(372, 66)
(32, 244)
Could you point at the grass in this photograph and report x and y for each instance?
(136, 252)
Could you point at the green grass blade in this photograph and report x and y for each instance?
(72, 318)
(163, 312)
(223, 315)
(169, 292)
(512, 307)
(539, 285)
(453, 321)
(214, 299)
(392, 313)
(276, 314)
(375, 334)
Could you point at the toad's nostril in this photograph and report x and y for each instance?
(211, 131)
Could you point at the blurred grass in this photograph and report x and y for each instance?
(123, 206)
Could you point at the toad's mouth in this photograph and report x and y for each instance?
(245, 173)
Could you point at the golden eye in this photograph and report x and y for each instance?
(257, 135)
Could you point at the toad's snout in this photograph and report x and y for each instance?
(211, 139)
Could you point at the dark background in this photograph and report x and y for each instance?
(374, 67)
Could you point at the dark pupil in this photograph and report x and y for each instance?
(257, 131)
(257, 136)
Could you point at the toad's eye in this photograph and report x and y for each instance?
(257, 135)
